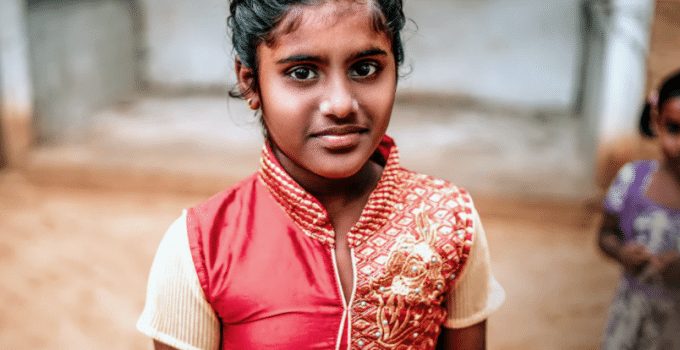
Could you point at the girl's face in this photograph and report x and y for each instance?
(668, 127)
(326, 87)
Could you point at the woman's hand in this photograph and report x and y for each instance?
(668, 266)
(633, 257)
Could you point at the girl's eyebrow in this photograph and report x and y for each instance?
(312, 58)
(370, 52)
(299, 58)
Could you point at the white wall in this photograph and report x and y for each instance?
(16, 92)
(520, 52)
(625, 70)
(615, 78)
(82, 59)
(186, 43)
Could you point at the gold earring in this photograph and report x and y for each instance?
(253, 104)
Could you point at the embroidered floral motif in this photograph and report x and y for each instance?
(412, 281)
(409, 265)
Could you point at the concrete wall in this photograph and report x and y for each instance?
(16, 95)
(624, 75)
(520, 52)
(186, 44)
(82, 59)
(618, 38)
(615, 79)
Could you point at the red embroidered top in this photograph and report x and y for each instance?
(263, 254)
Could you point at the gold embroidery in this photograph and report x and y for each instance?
(411, 287)
(310, 215)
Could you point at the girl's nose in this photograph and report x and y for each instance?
(676, 146)
(671, 147)
(339, 101)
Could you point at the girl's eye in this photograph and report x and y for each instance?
(673, 128)
(363, 70)
(302, 73)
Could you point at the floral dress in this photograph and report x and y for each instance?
(645, 313)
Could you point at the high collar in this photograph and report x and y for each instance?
(310, 215)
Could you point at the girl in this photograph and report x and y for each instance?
(331, 244)
(641, 231)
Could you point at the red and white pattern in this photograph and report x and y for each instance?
(410, 244)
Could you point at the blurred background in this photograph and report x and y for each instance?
(114, 116)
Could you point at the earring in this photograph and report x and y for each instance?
(254, 105)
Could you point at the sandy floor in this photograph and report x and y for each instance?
(74, 264)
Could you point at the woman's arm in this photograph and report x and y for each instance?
(468, 338)
(632, 256)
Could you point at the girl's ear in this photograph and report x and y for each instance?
(655, 119)
(247, 84)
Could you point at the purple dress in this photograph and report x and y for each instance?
(645, 313)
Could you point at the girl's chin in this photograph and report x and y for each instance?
(336, 174)
(337, 169)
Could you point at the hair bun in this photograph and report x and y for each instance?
(645, 126)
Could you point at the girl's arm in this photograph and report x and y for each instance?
(610, 238)
(632, 256)
(469, 338)
(473, 298)
(161, 346)
(176, 310)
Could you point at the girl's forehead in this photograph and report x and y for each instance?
(671, 109)
(322, 15)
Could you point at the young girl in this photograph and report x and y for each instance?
(641, 231)
(331, 244)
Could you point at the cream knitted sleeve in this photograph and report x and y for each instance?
(476, 294)
(176, 312)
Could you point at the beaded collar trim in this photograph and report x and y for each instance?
(308, 213)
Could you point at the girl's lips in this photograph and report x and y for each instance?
(340, 142)
(340, 137)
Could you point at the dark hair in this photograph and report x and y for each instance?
(252, 21)
(669, 89)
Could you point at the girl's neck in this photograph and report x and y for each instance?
(333, 193)
(672, 170)
(664, 187)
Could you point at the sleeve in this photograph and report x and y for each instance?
(477, 294)
(618, 190)
(176, 312)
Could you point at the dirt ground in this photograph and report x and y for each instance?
(74, 264)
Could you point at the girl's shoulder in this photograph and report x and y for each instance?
(439, 199)
(628, 184)
(238, 195)
(634, 172)
(435, 206)
(435, 189)
(643, 166)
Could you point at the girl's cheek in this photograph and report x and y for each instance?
(671, 146)
(287, 97)
(381, 96)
